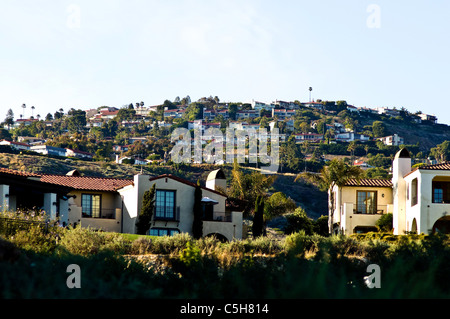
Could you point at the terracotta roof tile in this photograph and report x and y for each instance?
(441, 166)
(18, 173)
(366, 182)
(87, 183)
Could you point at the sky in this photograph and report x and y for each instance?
(86, 54)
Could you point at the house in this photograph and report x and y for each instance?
(112, 204)
(78, 154)
(418, 198)
(48, 150)
(393, 140)
(351, 136)
(310, 137)
(427, 117)
(283, 113)
(247, 114)
(357, 206)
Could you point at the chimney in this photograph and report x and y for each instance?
(216, 180)
(400, 167)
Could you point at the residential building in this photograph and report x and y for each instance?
(310, 137)
(427, 117)
(418, 198)
(283, 113)
(48, 150)
(79, 154)
(114, 205)
(247, 114)
(16, 145)
(313, 105)
(393, 140)
(357, 206)
(351, 136)
(176, 113)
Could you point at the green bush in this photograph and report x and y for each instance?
(297, 243)
(35, 239)
(86, 242)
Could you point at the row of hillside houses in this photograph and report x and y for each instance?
(48, 150)
(418, 199)
(114, 204)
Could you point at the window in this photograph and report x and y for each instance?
(163, 231)
(438, 195)
(90, 205)
(165, 204)
(441, 192)
(414, 192)
(366, 202)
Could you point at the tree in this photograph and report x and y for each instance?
(232, 110)
(146, 214)
(336, 173)
(197, 226)
(258, 218)
(298, 220)
(385, 223)
(442, 151)
(277, 204)
(9, 120)
(378, 129)
(247, 187)
(77, 121)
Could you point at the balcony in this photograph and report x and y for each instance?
(104, 213)
(172, 216)
(380, 210)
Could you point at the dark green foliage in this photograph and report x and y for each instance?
(385, 223)
(145, 217)
(258, 218)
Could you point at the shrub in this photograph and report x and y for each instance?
(297, 243)
(35, 239)
(141, 246)
(86, 241)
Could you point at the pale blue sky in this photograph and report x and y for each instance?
(85, 54)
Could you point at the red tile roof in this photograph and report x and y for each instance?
(441, 166)
(87, 183)
(18, 173)
(436, 167)
(366, 182)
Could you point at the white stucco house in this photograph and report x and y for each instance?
(418, 198)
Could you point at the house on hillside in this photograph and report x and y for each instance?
(418, 198)
(393, 140)
(113, 204)
(16, 145)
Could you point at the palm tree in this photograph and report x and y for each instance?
(24, 107)
(32, 110)
(337, 173)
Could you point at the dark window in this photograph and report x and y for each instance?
(90, 205)
(165, 204)
(414, 192)
(163, 231)
(366, 202)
